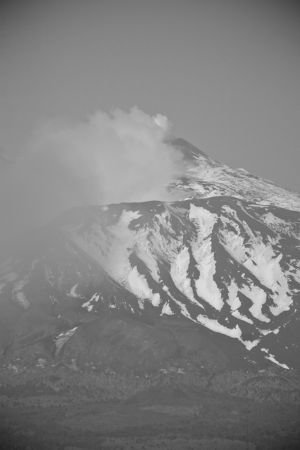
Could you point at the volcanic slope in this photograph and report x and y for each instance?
(222, 263)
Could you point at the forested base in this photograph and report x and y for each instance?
(62, 408)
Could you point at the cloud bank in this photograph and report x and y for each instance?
(109, 158)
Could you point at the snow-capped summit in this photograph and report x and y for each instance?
(223, 256)
(206, 177)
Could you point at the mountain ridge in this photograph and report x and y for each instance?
(205, 177)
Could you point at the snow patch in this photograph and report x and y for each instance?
(138, 285)
(214, 325)
(63, 338)
(265, 266)
(272, 358)
(179, 274)
(235, 303)
(18, 295)
(206, 287)
(240, 316)
(89, 305)
(251, 344)
(258, 298)
(73, 293)
(235, 333)
(166, 310)
(233, 299)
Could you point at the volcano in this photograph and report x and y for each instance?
(204, 283)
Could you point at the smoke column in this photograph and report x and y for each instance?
(108, 158)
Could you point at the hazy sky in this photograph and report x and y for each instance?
(226, 73)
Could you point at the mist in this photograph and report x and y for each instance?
(107, 158)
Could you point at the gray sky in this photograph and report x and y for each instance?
(226, 73)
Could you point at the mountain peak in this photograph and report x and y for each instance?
(205, 177)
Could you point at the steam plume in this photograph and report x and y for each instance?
(109, 158)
